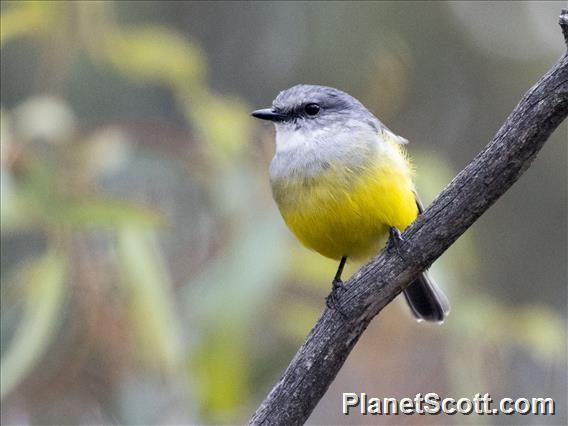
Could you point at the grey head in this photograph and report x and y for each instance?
(309, 107)
(317, 126)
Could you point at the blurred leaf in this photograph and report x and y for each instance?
(244, 276)
(536, 328)
(156, 54)
(38, 203)
(32, 198)
(43, 284)
(105, 213)
(225, 299)
(221, 367)
(540, 331)
(305, 315)
(25, 17)
(224, 126)
(150, 299)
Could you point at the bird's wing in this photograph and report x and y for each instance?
(390, 135)
(419, 203)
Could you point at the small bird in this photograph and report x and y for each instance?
(343, 183)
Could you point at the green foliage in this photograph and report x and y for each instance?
(26, 18)
(150, 307)
(153, 54)
(50, 186)
(221, 299)
(220, 122)
(43, 193)
(42, 284)
(100, 213)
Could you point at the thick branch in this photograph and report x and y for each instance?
(466, 198)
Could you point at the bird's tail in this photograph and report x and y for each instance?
(426, 300)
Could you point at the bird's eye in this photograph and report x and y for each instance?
(312, 109)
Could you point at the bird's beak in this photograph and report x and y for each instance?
(268, 114)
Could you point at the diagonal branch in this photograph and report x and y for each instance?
(467, 197)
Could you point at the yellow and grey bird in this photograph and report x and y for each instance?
(343, 183)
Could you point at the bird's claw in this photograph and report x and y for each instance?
(394, 241)
(332, 300)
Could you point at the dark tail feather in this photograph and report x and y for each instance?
(426, 300)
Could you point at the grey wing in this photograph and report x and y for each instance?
(389, 134)
(426, 300)
(419, 203)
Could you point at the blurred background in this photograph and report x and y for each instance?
(147, 277)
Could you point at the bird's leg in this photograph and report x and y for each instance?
(337, 280)
(336, 287)
(394, 241)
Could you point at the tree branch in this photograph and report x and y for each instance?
(467, 197)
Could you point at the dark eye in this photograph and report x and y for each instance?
(312, 109)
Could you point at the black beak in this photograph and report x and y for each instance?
(268, 114)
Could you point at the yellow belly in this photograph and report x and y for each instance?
(348, 212)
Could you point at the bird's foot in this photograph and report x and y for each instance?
(332, 300)
(395, 239)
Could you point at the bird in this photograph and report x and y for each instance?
(343, 183)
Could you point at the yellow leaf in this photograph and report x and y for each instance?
(43, 282)
(224, 125)
(26, 17)
(150, 298)
(155, 54)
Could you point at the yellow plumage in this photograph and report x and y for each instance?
(347, 211)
